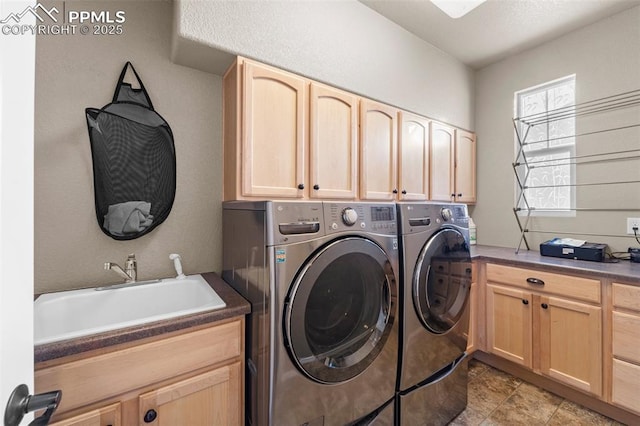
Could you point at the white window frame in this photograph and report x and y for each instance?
(570, 149)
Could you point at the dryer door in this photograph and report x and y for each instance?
(340, 310)
(442, 280)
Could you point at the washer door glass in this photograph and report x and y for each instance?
(442, 280)
(340, 310)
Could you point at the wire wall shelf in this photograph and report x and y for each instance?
(522, 166)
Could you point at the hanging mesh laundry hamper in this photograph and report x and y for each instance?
(134, 163)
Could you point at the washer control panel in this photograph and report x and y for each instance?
(343, 216)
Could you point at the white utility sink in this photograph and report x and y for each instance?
(75, 313)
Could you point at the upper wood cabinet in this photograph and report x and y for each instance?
(265, 116)
(413, 157)
(333, 140)
(378, 151)
(465, 167)
(441, 174)
(453, 164)
(287, 137)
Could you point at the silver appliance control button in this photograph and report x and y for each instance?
(349, 216)
(334, 225)
(446, 214)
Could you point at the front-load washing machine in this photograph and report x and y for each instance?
(322, 336)
(436, 277)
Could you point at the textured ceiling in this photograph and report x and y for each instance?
(497, 28)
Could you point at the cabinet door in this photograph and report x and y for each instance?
(105, 416)
(273, 133)
(333, 161)
(472, 336)
(378, 148)
(465, 167)
(441, 173)
(626, 385)
(571, 343)
(211, 398)
(413, 165)
(509, 321)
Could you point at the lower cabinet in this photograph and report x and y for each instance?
(110, 415)
(625, 386)
(210, 398)
(193, 378)
(547, 322)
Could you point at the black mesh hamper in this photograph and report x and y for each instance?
(134, 163)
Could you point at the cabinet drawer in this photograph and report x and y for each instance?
(626, 385)
(626, 336)
(626, 296)
(92, 379)
(546, 282)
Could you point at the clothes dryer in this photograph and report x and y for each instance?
(436, 276)
(322, 337)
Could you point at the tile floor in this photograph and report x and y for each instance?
(500, 399)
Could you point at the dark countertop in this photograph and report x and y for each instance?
(236, 306)
(623, 270)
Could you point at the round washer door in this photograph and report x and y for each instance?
(442, 279)
(340, 310)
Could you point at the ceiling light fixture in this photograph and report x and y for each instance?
(457, 8)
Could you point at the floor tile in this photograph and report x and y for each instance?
(533, 402)
(469, 417)
(496, 398)
(570, 413)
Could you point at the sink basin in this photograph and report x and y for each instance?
(68, 314)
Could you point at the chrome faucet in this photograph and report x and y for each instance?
(130, 271)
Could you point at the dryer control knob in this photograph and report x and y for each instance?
(446, 214)
(349, 216)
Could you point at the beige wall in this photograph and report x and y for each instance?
(342, 43)
(605, 57)
(75, 72)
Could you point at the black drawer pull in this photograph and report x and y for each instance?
(535, 281)
(525, 302)
(150, 416)
(544, 306)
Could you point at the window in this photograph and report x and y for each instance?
(547, 129)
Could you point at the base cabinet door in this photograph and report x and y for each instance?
(110, 415)
(571, 343)
(626, 377)
(211, 398)
(509, 324)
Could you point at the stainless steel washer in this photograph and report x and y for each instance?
(436, 276)
(322, 337)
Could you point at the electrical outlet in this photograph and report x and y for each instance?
(633, 222)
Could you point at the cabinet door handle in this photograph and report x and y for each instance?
(525, 302)
(316, 186)
(404, 191)
(301, 186)
(459, 195)
(544, 306)
(535, 281)
(150, 416)
(395, 191)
